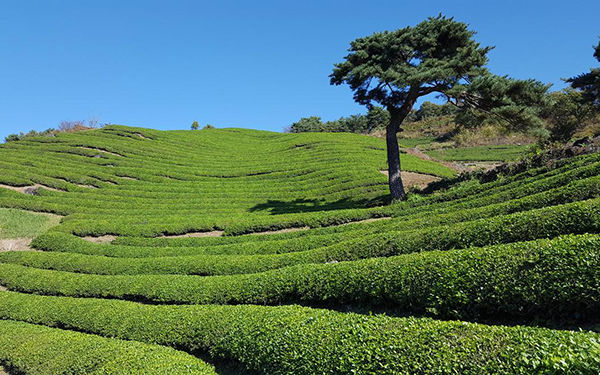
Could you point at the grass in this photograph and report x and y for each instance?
(520, 250)
(18, 223)
(500, 153)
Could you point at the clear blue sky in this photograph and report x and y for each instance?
(256, 64)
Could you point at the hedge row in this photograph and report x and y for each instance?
(34, 349)
(553, 280)
(581, 183)
(295, 340)
(573, 218)
(577, 190)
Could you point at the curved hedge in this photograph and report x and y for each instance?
(295, 340)
(574, 191)
(34, 349)
(577, 218)
(553, 280)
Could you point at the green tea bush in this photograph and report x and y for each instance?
(34, 349)
(296, 340)
(554, 280)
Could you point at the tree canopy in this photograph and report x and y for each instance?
(439, 55)
(376, 118)
(589, 83)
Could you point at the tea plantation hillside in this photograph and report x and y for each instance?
(239, 251)
(131, 181)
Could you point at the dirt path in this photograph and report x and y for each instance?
(3, 371)
(15, 244)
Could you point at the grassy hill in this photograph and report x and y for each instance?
(500, 277)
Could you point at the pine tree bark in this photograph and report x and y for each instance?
(393, 156)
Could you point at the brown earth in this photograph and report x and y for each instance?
(413, 179)
(101, 150)
(368, 220)
(31, 190)
(100, 239)
(15, 244)
(215, 233)
(285, 230)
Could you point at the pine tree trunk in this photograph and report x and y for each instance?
(393, 159)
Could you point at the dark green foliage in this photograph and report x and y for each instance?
(439, 55)
(195, 125)
(394, 68)
(34, 349)
(589, 83)
(307, 124)
(296, 340)
(566, 114)
(429, 110)
(32, 133)
(376, 118)
(515, 103)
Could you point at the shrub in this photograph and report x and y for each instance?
(554, 280)
(296, 340)
(34, 349)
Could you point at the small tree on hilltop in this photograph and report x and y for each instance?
(439, 56)
(307, 124)
(195, 125)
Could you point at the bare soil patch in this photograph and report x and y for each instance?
(101, 150)
(31, 190)
(142, 136)
(367, 220)
(100, 239)
(129, 178)
(413, 179)
(214, 233)
(286, 230)
(2, 289)
(15, 244)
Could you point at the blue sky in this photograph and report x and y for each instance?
(255, 64)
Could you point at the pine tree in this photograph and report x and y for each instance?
(439, 55)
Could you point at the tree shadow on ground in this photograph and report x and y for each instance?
(301, 205)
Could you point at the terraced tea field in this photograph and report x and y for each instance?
(239, 251)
